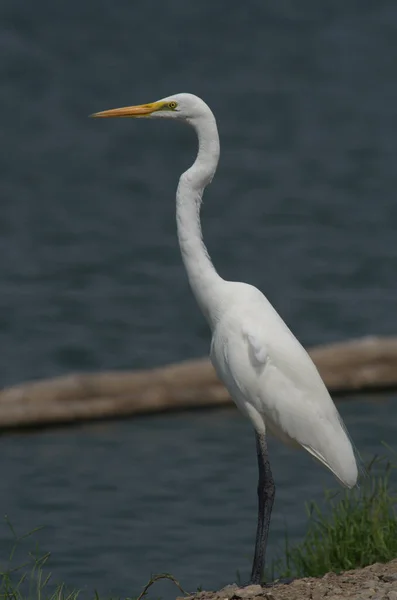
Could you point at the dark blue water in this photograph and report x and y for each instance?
(303, 206)
(121, 501)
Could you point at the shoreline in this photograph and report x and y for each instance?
(377, 581)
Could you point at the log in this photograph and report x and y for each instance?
(357, 365)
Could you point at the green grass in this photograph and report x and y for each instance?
(355, 528)
(31, 581)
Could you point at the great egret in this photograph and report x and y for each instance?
(268, 373)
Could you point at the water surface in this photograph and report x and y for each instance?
(120, 501)
(303, 206)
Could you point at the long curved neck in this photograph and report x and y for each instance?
(205, 282)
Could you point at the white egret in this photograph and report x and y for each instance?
(268, 373)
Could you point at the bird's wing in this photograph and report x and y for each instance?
(282, 383)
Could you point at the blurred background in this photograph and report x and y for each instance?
(303, 206)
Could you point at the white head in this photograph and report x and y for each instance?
(185, 107)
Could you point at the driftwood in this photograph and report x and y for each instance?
(357, 365)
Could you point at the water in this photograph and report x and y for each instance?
(120, 501)
(303, 206)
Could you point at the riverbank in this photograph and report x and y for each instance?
(347, 367)
(376, 582)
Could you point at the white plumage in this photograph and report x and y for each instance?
(267, 372)
(274, 382)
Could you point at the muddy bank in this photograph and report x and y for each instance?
(357, 365)
(376, 582)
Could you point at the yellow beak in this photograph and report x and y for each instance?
(141, 110)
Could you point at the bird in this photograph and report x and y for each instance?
(265, 369)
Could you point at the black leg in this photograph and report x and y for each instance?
(266, 491)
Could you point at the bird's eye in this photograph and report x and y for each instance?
(172, 105)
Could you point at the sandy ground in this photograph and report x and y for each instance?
(376, 582)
